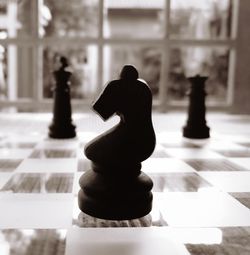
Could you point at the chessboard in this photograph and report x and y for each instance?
(201, 193)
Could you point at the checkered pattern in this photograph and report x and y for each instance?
(201, 192)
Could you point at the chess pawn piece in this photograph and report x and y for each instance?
(62, 126)
(196, 127)
(115, 188)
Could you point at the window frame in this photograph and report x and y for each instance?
(165, 43)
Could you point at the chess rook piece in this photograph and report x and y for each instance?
(115, 188)
(62, 126)
(196, 127)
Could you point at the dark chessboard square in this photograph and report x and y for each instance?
(178, 182)
(33, 241)
(246, 144)
(39, 183)
(53, 153)
(9, 165)
(26, 145)
(240, 236)
(235, 153)
(245, 201)
(179, 145)
(24, 183)
(242, 197)
(235, 240)
(19, 145)
(213, 165)
(60, 183)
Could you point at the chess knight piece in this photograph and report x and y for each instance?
(62, 126)
(196, 127)
(115, 188)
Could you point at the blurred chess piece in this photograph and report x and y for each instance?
(62, 126)
(196, 127)
(115, 188)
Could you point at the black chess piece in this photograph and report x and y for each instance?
(196, 127)
(62, 127)
(115, 188)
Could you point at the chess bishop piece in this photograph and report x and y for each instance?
(115, 188)
(196, 127)
(62, 127)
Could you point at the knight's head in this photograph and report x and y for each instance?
(129, 72)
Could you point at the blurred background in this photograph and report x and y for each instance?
(167, 40)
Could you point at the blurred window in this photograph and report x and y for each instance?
(200, 19)
(167, 40)
(65, 18)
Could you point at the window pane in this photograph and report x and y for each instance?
(204, 61)
(133, 19)
(147, 60)
(69, 18)
(16, 72)
(82, 64)
(197, 19)
(15, 18)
